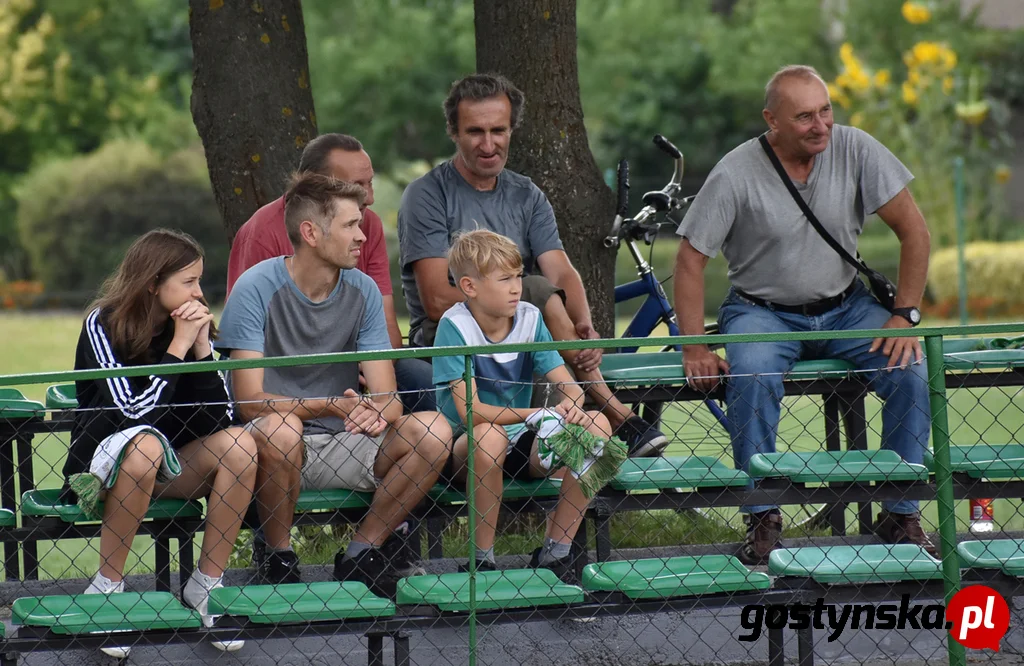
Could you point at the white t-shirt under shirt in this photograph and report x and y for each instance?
(773, 252)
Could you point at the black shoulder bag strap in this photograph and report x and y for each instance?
(883, 288)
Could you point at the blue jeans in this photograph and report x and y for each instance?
(415, 377)
(754, 390)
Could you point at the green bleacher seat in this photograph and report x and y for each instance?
(14, 405)
(299, 602)
(7, 518)
(873, 563)
(512, 588)
(667, 368)
(514, 490)
(1004, 554)
(676, 472)
(983, 359)
(46, 503)
(836, 466)
(659, 578)
(61, 396)
(332, 499)
(86, 613)
(990, 461)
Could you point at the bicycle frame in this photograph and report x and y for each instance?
(655, 309)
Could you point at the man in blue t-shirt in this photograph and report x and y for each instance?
(488, 269)
(313, 427)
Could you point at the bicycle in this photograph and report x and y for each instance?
(707, 424)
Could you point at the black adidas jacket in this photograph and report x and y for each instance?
(182, 407)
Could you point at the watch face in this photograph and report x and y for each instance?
(915, 316)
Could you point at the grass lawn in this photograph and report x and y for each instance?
(46, 342)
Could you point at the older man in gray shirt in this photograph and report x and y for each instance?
(785, 277)
(475, 190)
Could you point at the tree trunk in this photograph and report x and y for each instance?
(533, 43)
(251, 99)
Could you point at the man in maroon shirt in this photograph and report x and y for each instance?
(264, 237)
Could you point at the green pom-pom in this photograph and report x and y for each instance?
(574, 448)
(87, 487)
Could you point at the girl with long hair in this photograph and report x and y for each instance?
(160, 435)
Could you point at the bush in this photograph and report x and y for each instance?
(995, 279)
(77, 216)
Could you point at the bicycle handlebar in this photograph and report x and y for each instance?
(623, 181)
(670, 191)
(666, 146)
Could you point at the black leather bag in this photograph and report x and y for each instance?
(881, 286)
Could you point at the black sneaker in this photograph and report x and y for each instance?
(483, 565)
(563, 567)
(370, 568)
(642, 439)
(278, 567)
(401, 552)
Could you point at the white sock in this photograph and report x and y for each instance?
(100, 584)
(198, 587)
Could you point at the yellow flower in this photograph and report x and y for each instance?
(948, 56)
(857, 119)
(916, 13)
(1002, 174)
(846, 54)
(926, 52)
(972, 113)
(909, 93)
(948, 84)
(882, 78)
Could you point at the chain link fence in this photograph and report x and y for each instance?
(820, 515)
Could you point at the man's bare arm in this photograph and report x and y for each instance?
(556, 267)
(905, 219)
(380, 382)
(394, 332)
(702, 366)
(253, 401)
(436, 294)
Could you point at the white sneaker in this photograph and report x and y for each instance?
(100, 585)
(198, 597)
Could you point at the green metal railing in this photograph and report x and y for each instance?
(937, 392)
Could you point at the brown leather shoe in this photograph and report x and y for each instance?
(904, 528)
(764, 534)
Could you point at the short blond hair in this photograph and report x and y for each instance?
(480, 252)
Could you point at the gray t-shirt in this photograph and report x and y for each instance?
(441, 203)
(773, 252)
(267, 313)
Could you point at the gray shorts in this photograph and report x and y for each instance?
(537, 291)
(340, 460)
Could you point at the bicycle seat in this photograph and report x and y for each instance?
(659, 201)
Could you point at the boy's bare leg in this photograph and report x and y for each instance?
(490, 443)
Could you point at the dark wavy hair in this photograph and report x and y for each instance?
(482, 86)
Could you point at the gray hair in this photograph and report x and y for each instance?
(771, 91)
(477, 87)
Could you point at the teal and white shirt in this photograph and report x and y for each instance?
(502, 379)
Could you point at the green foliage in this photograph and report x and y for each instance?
(380, 70)
(925, 103)
(78, 215)
(73, 74)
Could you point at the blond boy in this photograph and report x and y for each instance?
(487, 268)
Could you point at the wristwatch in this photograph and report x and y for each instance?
(913, 315)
